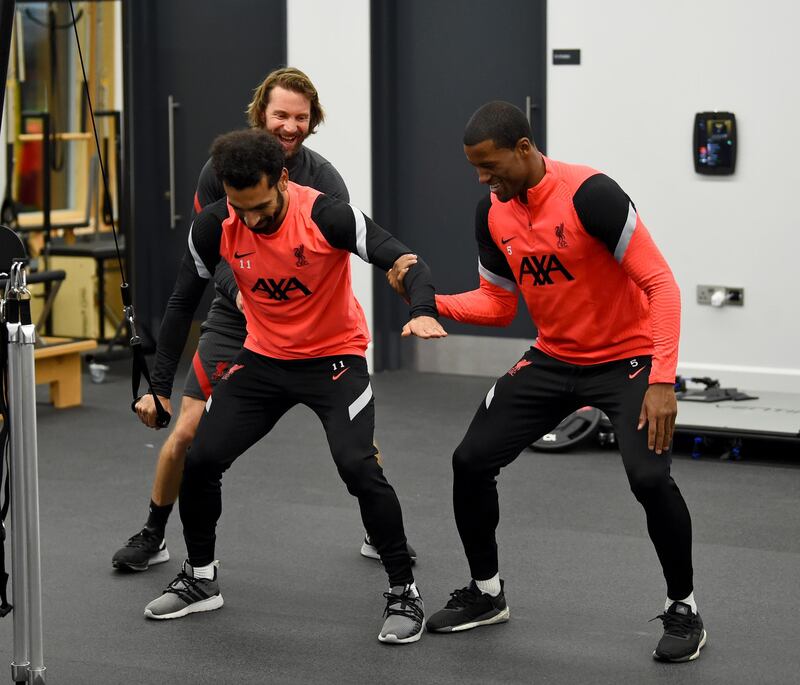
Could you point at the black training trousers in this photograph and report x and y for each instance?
(528, 402)
(248, 401)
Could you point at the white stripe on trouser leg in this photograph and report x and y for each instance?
(490, 396)
(361, 402)
(208, 404)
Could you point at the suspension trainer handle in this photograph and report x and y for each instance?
(139, 367)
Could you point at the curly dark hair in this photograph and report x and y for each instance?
(498, 121)
(241, 158)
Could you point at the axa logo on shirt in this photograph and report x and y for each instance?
(279, 290)
(542, 269)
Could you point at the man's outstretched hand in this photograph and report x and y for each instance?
(424, 327)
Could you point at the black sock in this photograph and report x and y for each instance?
(158, 516)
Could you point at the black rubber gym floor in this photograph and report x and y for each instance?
(302, 606)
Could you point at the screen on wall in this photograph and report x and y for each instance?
(714, 143)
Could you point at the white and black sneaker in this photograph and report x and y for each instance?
(684, 635)
(405, 616)
(186, 595)
(144, 549)
(371, 552)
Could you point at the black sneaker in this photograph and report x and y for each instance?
(470, 608)
(371, 552)
(143, 549)
(684, 635)
(405, 616)
(186, 595)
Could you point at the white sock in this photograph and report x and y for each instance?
(412, 587)
(206, 572)
(491, 586)
(688, 600)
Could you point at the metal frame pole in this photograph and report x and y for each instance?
(24, 453)
(19, 555)
(36, 669)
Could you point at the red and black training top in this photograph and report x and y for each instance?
(295, 283)
(594, 282)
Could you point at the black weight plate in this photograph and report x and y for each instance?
(573, 430)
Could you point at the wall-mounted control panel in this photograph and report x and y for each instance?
(714, 143)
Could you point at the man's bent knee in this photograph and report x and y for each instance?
(645, 485)
(188, 420)
(359, 474)
(468, 461)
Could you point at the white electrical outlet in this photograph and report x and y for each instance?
(720, 296)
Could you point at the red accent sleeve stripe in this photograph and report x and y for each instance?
(197, 206)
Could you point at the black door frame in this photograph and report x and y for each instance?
(389, 312)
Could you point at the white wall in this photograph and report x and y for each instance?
(330, 41)
(628, 109)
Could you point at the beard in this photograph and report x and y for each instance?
(270, 224)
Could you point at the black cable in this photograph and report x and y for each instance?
(139, 363)
(107, 195)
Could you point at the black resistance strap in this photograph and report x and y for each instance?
(5, 607)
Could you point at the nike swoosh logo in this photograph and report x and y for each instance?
(507, 240)
(244, 254)
(337, 376)
(636, 373)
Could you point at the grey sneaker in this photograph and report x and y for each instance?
(186, 595)
(370, 551)
(141, 551)
(405, 616)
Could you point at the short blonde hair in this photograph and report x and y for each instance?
(290, 79)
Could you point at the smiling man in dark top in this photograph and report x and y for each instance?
(287, 105)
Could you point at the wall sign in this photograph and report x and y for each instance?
(566, 56)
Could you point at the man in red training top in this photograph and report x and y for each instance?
(289, 248)
(607, 310)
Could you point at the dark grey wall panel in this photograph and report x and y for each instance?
(434, 63)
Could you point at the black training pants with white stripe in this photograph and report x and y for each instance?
(529, 401)
(247, 402)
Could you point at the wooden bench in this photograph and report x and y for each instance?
(59, 364)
